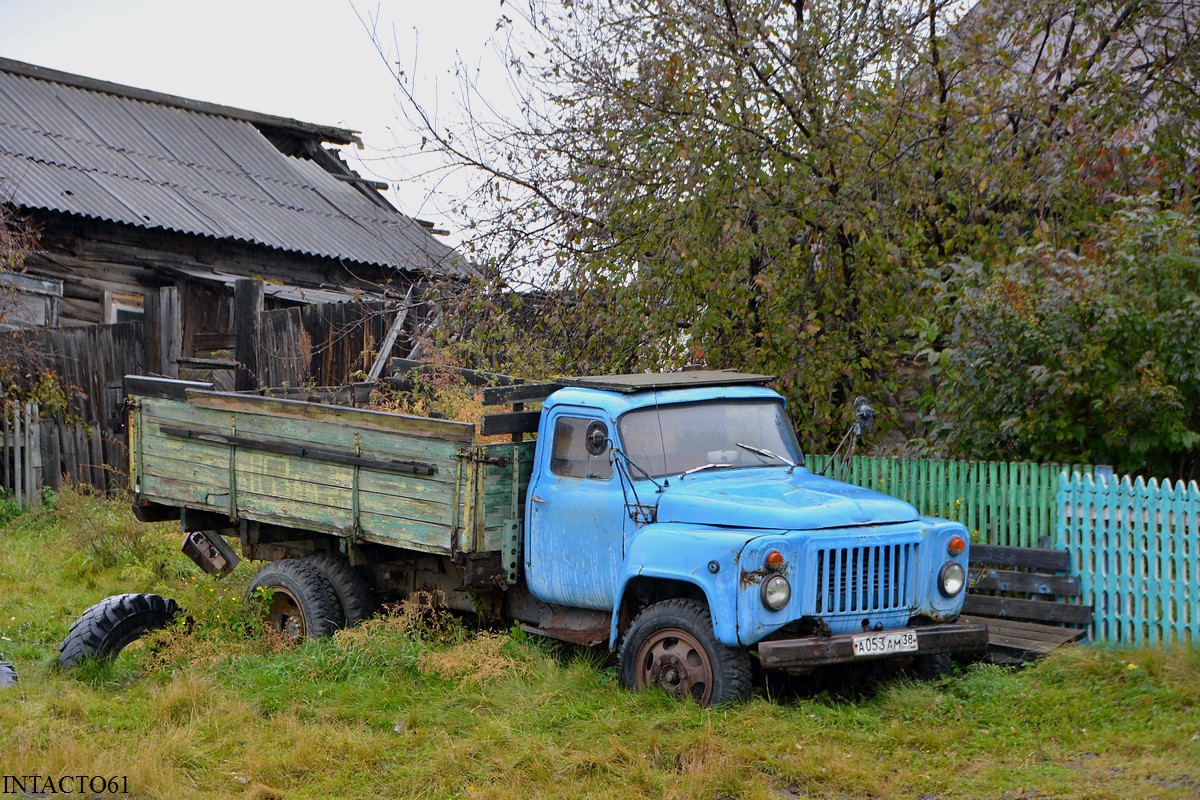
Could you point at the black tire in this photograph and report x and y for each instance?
(932, 667)
(8, 674)
(348, 585)
(671, 646)
(111, 625)
(303, 603)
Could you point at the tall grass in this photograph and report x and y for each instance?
(414, 703)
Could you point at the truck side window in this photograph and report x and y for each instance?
(569, 457)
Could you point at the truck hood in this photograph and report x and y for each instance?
(770, 498)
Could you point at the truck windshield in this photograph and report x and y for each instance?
(673, 438)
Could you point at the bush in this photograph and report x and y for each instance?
(1087, 355)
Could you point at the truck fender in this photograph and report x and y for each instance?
(670, 560)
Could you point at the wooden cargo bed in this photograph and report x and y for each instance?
(411, 482)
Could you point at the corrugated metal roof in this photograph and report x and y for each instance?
(78, 146)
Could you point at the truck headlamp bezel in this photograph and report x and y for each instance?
(952, 579)
(776, 592)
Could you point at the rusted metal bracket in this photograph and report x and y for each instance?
(210, 552)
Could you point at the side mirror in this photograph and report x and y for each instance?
(864, 415)
(596, 438)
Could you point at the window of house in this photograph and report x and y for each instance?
(123, 307)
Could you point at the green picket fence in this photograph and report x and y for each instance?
(1000, 503)
(1136, 548)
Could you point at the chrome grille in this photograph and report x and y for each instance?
(865, 579)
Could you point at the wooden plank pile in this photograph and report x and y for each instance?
(1027, 599)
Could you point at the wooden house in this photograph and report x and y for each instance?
(194, 240)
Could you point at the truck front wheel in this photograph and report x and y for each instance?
(302, 603)
(671, 646)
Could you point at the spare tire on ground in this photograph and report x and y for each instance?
(8, 674)
(111, 625)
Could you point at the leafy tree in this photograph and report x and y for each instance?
(769, 185)
(24, 373)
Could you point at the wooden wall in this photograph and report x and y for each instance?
(94, 360)
(321, 345)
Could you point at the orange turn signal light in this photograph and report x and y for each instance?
(957, 545)
(774, 559)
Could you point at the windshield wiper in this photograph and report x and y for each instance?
(701, 468)
(762, 451)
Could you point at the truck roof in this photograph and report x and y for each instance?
(649, 381)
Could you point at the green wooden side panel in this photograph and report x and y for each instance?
(372, 443)
(500, 504)
(370, 502)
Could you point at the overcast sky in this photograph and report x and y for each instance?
(312, 60)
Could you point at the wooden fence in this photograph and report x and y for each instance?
(21, 452)
(1136, 547)
(1010, 504)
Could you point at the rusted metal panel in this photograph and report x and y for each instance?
(811, 651)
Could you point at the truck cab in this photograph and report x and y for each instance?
(680, 505)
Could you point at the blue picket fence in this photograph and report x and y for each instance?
(1136, 547)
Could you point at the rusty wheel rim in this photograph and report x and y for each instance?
(284, 615)
(674, 661)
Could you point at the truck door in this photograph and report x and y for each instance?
(574, 538)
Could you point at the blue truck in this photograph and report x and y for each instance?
(667, 516)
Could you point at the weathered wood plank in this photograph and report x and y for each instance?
(212, 454)
(1038, 610)
(397, 530)
(1029, 557)
(319, 432)
(510, 422)
(247, 308)
(999, 580)
(303, 452)
(413, 509)
(518, 393)
(192, 471)
(170, 491)
(316, 514)
(405, 487)
(1029, 630)
(337, 415)
(165, 388)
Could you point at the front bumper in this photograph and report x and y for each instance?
(960, 639)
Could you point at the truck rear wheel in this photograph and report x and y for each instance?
(303, 604)
(671, 646)
(108, 627)
(350, 588)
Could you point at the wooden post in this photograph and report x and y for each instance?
(33, 455)
(4, 456)
(163, 331)
(247, 308)
(389, 341)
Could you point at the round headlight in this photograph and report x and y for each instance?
(952, 578)
(776, 592)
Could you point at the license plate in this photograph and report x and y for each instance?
(882, 644)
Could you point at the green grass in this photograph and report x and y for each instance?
(417, 705)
